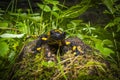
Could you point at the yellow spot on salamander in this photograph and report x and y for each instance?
(43, 38)
(74, 47)
(58, 31)
(39, 48)
(67, 42)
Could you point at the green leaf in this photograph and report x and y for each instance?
(109, 4)
(99, 45)
(11, 56)
(107, 51)
(77, 22)
(23, 27)
(6, 35)
(45, 8)
(110, 24)
(55, 14)
(4, 49)
(104, 50)
(55, 8)
(77, 10)
(35, 18)
(51, 2)
(117, 20)
(72, 12)
(108, 42)
(3, 24)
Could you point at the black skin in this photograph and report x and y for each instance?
(66, 48)
(57, 35)
(40, 42)
(56, 41)
(53, 39)
(77, 52)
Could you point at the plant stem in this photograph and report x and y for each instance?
(117, 54)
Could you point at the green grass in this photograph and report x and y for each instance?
(30, 24)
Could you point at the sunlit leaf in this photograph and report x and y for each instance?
(99, 45)
(55, 8)
(6, 35)
(45, 8)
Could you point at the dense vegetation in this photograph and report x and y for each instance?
(97, 23)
